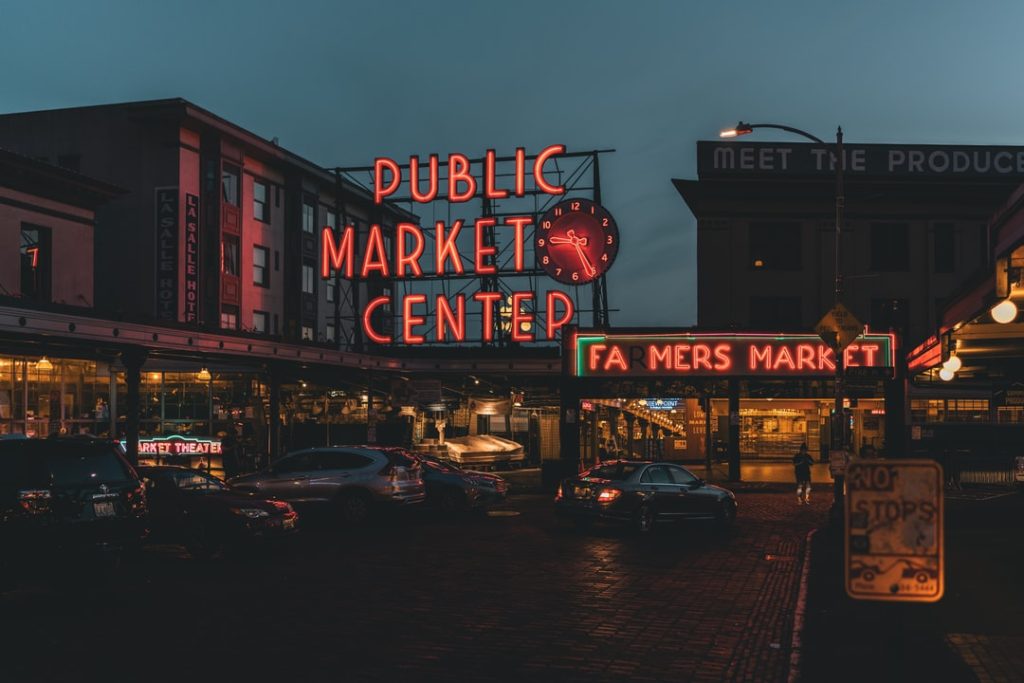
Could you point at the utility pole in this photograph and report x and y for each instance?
(840, 437)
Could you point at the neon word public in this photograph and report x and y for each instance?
(462, 184)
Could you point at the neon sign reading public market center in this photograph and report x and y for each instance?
(339, 252)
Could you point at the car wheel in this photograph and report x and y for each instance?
(354, 508)
(202, 544)
(452, 501)
(644, 521)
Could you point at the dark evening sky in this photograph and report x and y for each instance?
(343, 82)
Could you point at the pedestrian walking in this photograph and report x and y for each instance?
(802, 466)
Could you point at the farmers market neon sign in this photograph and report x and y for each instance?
(723, 355)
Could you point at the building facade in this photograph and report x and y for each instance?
(222, 226)
(915, 230)
(913, 233)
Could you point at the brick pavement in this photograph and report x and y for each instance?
(520, 597)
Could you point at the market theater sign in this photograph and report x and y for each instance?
(340, 252)
(722, 355)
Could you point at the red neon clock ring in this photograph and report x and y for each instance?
(576, 241)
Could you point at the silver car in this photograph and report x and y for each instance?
(355, 479)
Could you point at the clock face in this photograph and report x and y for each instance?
(576, 241)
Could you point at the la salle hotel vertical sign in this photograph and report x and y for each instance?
(341, 252)
(168, 237)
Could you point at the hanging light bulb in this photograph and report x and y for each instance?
(945, 374)
(44, 364)
(1004, 312)
(953, 363)
(203, 375)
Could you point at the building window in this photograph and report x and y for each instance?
(890, 246)
(229, 317)
(308, 279)
(260, 201)
(890, 314)
(329, 286)
(229, 183)
(261, 266)
(260, 322)
(308, 218)
(775, 313)
(307, 333)
(36, 279)
(944, 255)
(229, 255)
(775, 246)
(331, 218)
(329, 333)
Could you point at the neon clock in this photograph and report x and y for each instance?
(576, 241)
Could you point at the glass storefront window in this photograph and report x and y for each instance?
(64, 396)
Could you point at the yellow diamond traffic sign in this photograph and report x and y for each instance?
(839, 327)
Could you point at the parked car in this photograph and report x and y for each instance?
(356, 480)
(642, 494)
(63, 497)
(206, 515)
(452, 489)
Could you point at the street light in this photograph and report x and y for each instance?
(1004, 312)
(839, 436)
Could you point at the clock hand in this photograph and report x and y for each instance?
(587, 267)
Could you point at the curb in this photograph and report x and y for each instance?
(798, 616)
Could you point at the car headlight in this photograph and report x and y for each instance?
(489, 483)
(251, 513)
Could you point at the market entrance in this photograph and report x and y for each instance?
(704, 398)
(680, 429)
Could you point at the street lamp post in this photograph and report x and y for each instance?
(839, 429)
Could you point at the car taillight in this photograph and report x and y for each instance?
(137, 498)
(608, 495)
(281, 505)
(34, 501)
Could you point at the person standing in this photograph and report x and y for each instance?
(802, 466)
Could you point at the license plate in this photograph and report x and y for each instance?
(103, 509)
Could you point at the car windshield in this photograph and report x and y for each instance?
(102, 467)
(614, 471)
(439, 466)
(196, 481)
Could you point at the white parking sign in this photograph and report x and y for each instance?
(894, 530)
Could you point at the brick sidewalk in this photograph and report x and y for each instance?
(520, 597)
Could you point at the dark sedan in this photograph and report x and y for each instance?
(643, 494)
(66, 502)
(451, 489)
(204, 513)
